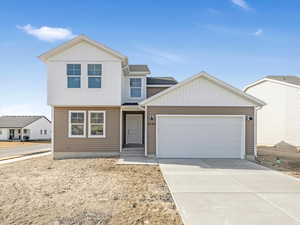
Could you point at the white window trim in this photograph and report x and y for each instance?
(84, 124)
(104, 124)
(88, 76)
(136, 87)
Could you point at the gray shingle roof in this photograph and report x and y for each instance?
(161, 81)
(17, 121)
(288, 79)
(139, 68)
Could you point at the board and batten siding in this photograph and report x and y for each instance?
(152, 111)
(108, 144)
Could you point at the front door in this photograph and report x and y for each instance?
(134, 126)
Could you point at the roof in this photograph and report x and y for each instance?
(45, 56)
(138, 69)
(161, 81)
(287, 80)
(211, 78)
(130, 103)
(17, 121)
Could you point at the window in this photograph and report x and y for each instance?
(25, 131)
(41, 132)
(45, 132)
(96, 123)
(0, 132)
(73, 73)
(94, 75)
(77, 124)
(135, 87)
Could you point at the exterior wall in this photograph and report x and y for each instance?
(201, 91)
(86, 146)
(83, 53)
(36, 127)
(154, 90)
(271, 119)
(154, 110)
(126, 89)
(4, 134)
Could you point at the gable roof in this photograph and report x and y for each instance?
(138, 69)
(211, 78)
(17, 121)
(45, 56)
(286, 80)
(161, 81)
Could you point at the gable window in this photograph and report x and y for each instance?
(77, 124)
(94, 75)
(96, 123)
(73, 73)
(135, 87)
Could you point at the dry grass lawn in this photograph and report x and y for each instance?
(13, 144)
(282, 158)
(85, 192)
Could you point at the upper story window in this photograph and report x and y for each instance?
(73, 72)
(94, 75)
(135, 87)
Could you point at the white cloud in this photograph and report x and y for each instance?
(258, 32)
(50, 34)
(241, 3)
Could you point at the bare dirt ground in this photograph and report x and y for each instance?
(13, 144)
(282, 158)
(84, 192)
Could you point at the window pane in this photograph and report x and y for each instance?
(73, 69)
(135, 92)
(97, 130)
(77, 117)
(94, 69)
(94, 82)
(97, 118)
(135, 82)
(73, 82)
(77, 129)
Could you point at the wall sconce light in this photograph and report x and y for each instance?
(249, 118)
(151, 117)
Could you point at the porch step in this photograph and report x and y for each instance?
(133, 152)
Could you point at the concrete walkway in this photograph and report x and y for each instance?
(231, 192)
(24, 150)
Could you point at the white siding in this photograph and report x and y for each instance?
(36, 127)
(201, 92)
(272, 118)
(4, 134)
(84, 53)
(126, 89)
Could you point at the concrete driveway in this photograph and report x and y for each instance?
(24, 150)
(231, 192)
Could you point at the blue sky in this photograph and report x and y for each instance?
(238, 41)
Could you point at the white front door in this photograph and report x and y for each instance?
(134, 128)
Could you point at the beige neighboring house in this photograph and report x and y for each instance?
(103, 106)
(279, 120)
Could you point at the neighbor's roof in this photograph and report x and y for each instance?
(45, 56)
(17, 121)
(288, 80)
(139, 68)
(161, 81)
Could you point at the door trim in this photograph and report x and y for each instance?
(124, 113)
(243, 130)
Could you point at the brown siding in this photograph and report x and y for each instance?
(154, 90)
(111, 143)
(153, 110)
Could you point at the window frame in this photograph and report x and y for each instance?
(70, 124)
(141, 79)
(76, 76)
(90, 124)
(94, 76)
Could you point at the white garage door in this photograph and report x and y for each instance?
(189, 136)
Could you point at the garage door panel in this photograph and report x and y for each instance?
(199, 136)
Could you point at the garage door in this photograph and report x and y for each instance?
(198, 136)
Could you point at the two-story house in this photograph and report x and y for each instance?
(103, 106)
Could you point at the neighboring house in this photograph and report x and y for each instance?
(24, 128)
(102, 106)
(279, 120)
